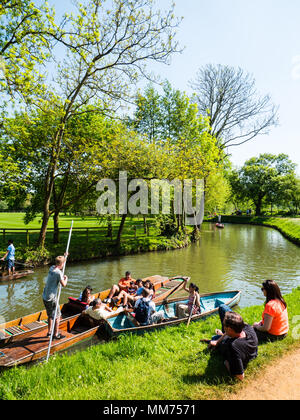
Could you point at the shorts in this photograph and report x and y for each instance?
(50, 306)
(10, 264)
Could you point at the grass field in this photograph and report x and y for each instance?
(165, 365)
(86, 244)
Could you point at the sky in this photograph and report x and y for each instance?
(261, 37)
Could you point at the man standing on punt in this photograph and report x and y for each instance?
(55, 276)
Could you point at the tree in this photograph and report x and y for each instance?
(26, 35)
(107, 47)
(227, 96)
(264, 178)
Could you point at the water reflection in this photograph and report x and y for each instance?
(237, 257)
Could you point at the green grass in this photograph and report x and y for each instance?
(167, 364)
(84, 246)
(287, 226)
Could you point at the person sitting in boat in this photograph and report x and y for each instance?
(98, 310)
(123, 284)
(275, 322)
(10, 257)
(193, 306)
(133, 293)
(145, 312)
(148, 285)
(86, 296)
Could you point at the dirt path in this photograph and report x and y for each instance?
(279, 381)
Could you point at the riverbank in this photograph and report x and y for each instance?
(89, 241)
(170, 364)
(289, 227)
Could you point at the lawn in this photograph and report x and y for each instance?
(165, 365)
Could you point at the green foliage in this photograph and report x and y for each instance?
(268, 177)
(173, 360)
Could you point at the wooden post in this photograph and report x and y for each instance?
(27, 237)
(3, 235)
(87, 234)
(134, 227)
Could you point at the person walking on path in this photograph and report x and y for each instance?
(55, 276)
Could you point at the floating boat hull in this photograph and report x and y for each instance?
(210, 302)
(29, 325)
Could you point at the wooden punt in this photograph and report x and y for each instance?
(125, 323)
(17, 275)
(34, 347)
(37, 322)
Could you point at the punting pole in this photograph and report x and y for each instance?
(191, 312)
(58, 295)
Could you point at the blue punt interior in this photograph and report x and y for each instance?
(208, 303)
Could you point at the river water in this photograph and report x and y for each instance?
(239, 257)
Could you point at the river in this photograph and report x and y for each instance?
(237, 257)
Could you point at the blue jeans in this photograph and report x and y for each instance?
(222, 311)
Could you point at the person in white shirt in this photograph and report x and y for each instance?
(98, 310)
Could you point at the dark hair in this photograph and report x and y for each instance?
(84, 293)
(195, 287)
(10, 241)
(127, 273)
(145, 292)
(96, 301)
(273, 291)
(138, 281)
(151, 287)
(234, 321)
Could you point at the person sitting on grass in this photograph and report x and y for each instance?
(275, 322)
(123, 284)
(237, 345)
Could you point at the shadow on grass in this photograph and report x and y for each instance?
(215, 372)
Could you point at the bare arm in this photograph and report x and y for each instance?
(268, 319)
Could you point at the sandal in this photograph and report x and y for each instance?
(58, 337)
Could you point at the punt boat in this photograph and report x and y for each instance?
(80, 327)
(210, 302)
(29, 325)
(17, 275)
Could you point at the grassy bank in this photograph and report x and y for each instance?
(85, 245)
(169, 364)
(288, 227)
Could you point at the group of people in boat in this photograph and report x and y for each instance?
(237, 341)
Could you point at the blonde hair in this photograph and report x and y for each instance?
(59, 260)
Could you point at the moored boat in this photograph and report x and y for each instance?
(80, 327)
(210, 302)
(220, 225)
(4, 276)
(28, 325)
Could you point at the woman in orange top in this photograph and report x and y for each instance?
(274, 324)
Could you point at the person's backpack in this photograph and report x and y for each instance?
(142, 312)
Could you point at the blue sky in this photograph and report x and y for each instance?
(260, 36)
